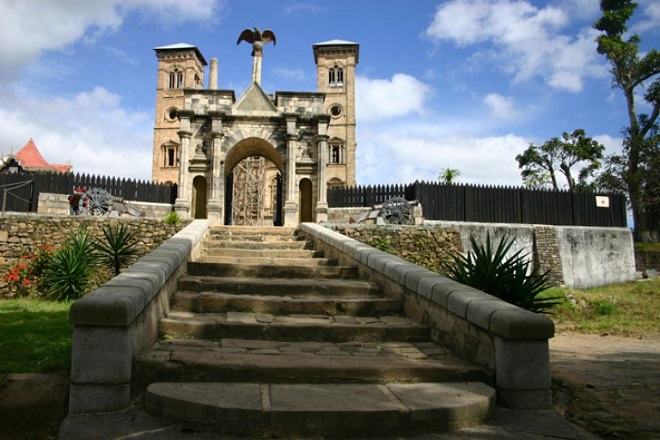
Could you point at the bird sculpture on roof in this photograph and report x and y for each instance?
(258, 39)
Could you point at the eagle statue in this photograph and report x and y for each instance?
(257, 38)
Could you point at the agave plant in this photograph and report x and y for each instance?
(70, 270)
(119, 249)
(489, 269)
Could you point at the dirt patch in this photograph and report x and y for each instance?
(608, 385)
(32, 405)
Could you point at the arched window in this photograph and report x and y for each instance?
(336, 76)
(336, 154)
(335, 182)
(176, 80)
(170, 155)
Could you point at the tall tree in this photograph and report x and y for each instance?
(629, 73)
(559, 156)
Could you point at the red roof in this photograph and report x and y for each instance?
(32, 160)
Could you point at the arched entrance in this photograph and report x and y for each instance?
(199, 197)
(253, 184)
(306, 211)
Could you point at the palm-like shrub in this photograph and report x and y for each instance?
(119, 248)
(71, 268)
(489, 269)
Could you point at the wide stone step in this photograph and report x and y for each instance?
(263, 253)
(277, 261)
(257, 410)
(212, 302)
(321, 328)
(260, 245)
(244, 360)
(279, 286)
(271, 271)
(249, 233)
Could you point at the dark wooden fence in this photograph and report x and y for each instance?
(469, 203)
(20, 192)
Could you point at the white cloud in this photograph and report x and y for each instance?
(378, 99)
(394, 154)
(102, 139)
(500, 106)
(527, 40)
(60, 23)
(651, 17)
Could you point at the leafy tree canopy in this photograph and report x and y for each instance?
(541, 164)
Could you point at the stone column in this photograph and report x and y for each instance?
(322, 189)
(183, 201)
(215, 206)
(213, 74)
(291, 203)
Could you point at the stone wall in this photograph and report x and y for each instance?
(22, 235)
(575, 256)
(424, 246)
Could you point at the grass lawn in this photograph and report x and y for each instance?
(630, 309)
(36, 336)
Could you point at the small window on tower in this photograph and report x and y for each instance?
(170, 153)
(336, 154)
(172, 80)
(340, 76)
(331, 77)
(179, 80)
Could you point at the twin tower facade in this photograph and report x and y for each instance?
(260, 159)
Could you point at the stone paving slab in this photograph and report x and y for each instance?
(215, 302)
(236, 269)
(241, 360)
(276, 410)
(278, 286)
(134, 423)
(289, 328)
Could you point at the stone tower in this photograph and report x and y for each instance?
(180, 67)
(335, 64)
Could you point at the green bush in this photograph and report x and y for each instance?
(71, 269)
(119, 249)
(172, 218)
(509, 278)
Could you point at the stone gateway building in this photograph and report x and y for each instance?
(260, 159)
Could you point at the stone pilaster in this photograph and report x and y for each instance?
(183, 201)
(322, 200)
(215, 206)
(290, 203)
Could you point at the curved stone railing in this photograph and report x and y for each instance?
(120, 319)
(507, 340)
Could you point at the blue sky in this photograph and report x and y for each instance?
(464, 84)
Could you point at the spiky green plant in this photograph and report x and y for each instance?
(71, 268)
(489, 269)
(119, 247)
(172, 218)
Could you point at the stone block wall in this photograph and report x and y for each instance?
(22, 235)
(424, 246)
(546, 253)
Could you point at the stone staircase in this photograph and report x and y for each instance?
(267, 338)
